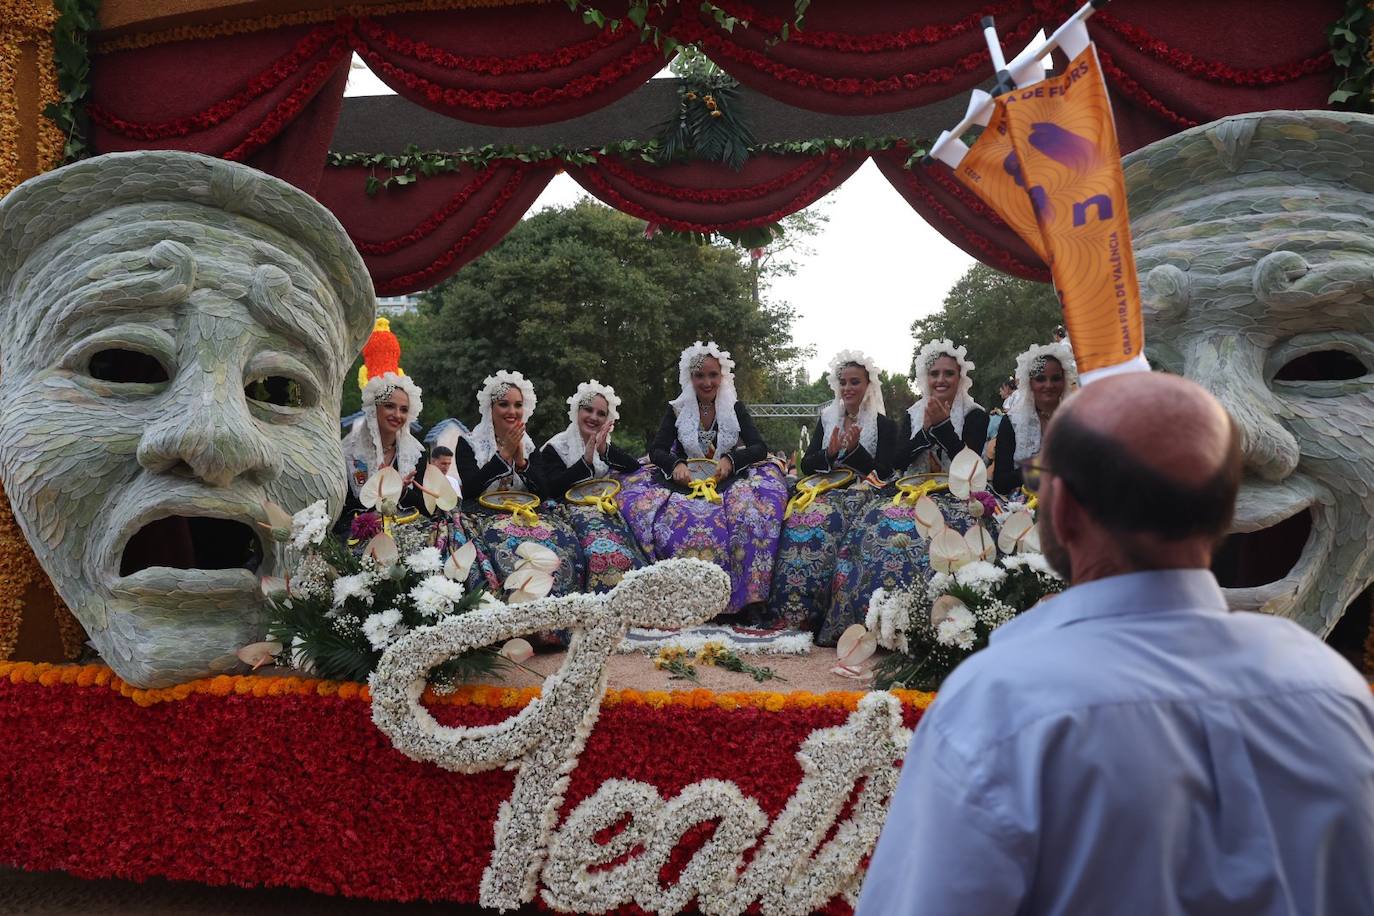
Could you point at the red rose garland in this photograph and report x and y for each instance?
(269, 79)
(915, 37)
(436, 219)
(496, 66)
(616, 167)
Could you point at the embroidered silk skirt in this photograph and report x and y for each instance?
(804, 573)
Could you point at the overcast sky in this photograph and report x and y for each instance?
(876, 267)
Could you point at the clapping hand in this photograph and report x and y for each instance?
(937, 412)
(851, 438)
(836, 443)
(512, 444)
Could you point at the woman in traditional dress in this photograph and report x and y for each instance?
(495, 458)
(739, 533)
(853, 434)
(1047, 372)
(583, 452)
(380, 439)
(883, 548)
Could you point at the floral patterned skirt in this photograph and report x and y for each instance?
(739, 534)
(607, 545)
(804, 573)
(499, 534)
(883, 549)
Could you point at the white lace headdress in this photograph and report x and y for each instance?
(483, 438)
(685, 404)
(1023, 416)
(963, 401)
(869, 408)
(569, 444)
(363, 444)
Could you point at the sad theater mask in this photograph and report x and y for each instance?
(176, 333)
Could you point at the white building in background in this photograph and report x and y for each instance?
(397, 305)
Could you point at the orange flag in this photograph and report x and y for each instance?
(990, 169)
(1049, 164)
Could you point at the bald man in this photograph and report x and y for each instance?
(1130, 746)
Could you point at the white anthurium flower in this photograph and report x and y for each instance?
(930, 521)
(517, 650)
(967, 474)
(1016, 527)
(855, 645)
(949, 551)
(438, 491)
(382, 488)
(275, 588)
(1031, 542)
(943, 607)
(383, 550)
(257, 654)
(981, 546)
(537, 556)
(278, 524)
(529, 585)
(460, 562)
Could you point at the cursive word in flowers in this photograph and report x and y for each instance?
(793, 871)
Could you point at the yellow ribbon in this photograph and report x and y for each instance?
(522, 513)
(605, 501)
(704, 489)
(1032, 500)
(909, 494)
(390, 521)
(807, 492)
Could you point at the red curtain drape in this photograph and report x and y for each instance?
(957, 214)
(862, 56)
(270, 99)
(708, 196)
(510, 66)
(1173, 64)
(412, 237)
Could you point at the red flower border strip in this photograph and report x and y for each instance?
(280, 71)
(809, 195)
(431, 223)
(1128, 86)
(291, 106)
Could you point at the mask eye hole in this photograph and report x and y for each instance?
(127, 366)
(1322, 366)
(276, 390)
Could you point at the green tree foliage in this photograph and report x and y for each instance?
(578, 292)
(997, 317)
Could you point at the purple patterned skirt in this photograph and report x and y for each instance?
(739, 534)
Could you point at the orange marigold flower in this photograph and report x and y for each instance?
(221, 685)
(725, 701)
(104, 676)
(86, 676)
(49, 678)
(348, 691)
(774, 702)
(365, 693)
(657, 698)
(326, 688)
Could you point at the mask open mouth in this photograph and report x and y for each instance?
(192, 542)
(1255, 558)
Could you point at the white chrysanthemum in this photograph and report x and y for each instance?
(384, 628)
(309, 526)
(1035, 562)
(489, 602)
(980, 575)
(435, 595)
(958, 628)
(358, 585)
(940, 583)
(426, 560)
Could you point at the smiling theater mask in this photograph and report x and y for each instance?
(176, 333)
(1254, 239)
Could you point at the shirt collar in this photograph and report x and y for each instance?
(1158, 591)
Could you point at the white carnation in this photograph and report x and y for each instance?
(309, 526)
(435, 595)
(358, 585)
(426, 560)
(980, 575)
(1035, 562)
(958, 628)
(384, 628)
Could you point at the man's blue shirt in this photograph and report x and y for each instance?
(1131, 746)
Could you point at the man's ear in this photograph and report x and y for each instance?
(1066, 515)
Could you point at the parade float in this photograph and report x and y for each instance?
(605, 780)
